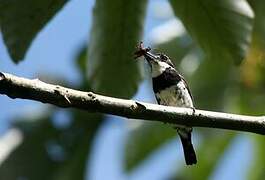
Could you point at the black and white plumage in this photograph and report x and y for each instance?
(171, 89)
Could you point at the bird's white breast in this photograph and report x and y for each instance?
(177, 95)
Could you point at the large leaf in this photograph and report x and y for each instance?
(259, 23)
(222, 28)
(209, 83)
(143, 141)
(20, 21)
(81, 58)
(117, 27)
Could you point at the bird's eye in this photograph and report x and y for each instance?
(163, 57)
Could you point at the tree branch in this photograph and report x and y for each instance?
(17, 87)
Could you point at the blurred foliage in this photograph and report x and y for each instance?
(222, 27)
(251, 96)
(85, 130)
(18, 163)
(215, 83)
(47, 152)
(204, 79)
(117, 27)
(257, 171)
(226, 30)
(209, 152)
(143, 140)
(20, 22)
(176, 48)
(209, 83)
(259, 25)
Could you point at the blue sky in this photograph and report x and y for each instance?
(58, 43)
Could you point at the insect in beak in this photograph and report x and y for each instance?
(141, 51)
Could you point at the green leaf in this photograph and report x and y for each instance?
(117, 27)
(176, 48)
(259, 24)
(209, 84)
(20, 21)
(81, 58)
(222, 28)
(139, 145)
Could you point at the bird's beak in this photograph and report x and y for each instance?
(151, 57)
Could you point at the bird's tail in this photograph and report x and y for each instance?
(189, 153)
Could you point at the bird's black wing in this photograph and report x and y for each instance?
(158, 99)
(186, 84)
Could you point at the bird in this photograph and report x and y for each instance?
(170, 89)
